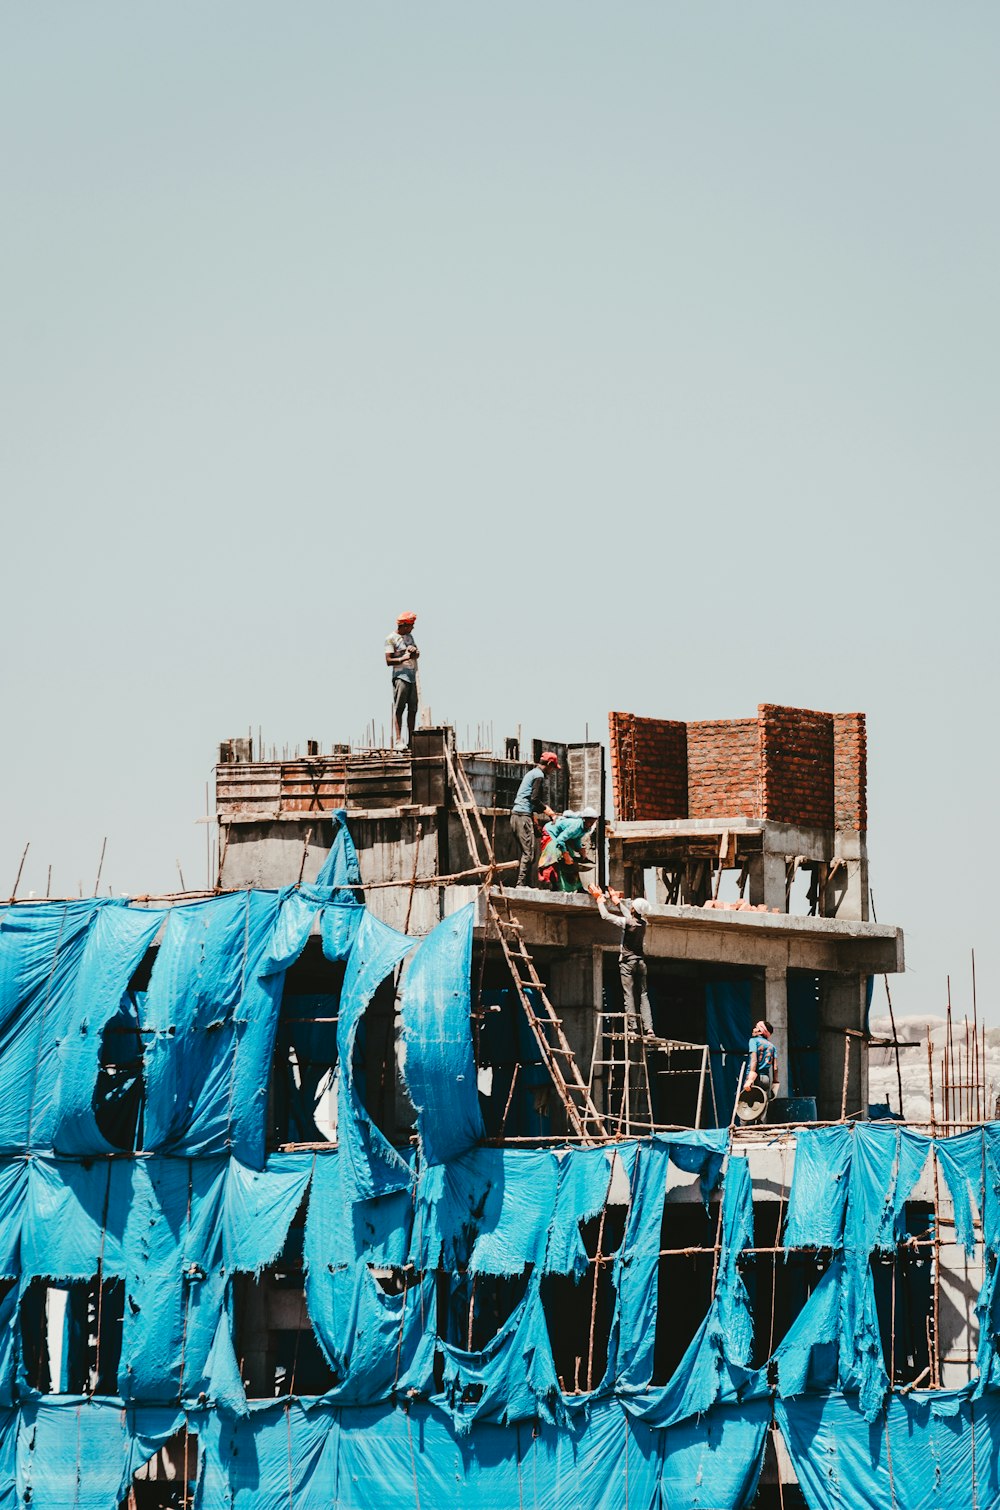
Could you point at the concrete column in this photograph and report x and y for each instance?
(570, 988)
(842, 1006)
(846, 896)
(767, 881)
(776, 1013)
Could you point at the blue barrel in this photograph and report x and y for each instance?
(792, 1109)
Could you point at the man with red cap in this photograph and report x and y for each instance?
(401, 654)
(528, 805)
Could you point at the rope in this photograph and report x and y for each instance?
(413, 1460)
(236, 1023)
(291, 1472)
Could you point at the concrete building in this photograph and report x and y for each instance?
(350, 1182)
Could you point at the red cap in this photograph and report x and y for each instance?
(548, 757)
(406, 618)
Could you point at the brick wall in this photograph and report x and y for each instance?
(797, 765)
(850, 771)
(648, 767)
(792, 765)
(723, 769)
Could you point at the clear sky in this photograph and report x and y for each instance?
(648, 351)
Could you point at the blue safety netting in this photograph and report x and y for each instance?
(425, 1269)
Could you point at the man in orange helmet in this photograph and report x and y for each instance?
(401, 654)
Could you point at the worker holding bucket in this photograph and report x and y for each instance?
(760, 1084)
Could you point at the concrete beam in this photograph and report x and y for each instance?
(711, 936)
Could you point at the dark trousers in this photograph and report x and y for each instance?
(523, 825)
(634, 988)
(404, 700)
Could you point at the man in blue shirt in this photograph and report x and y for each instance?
(763, 1068)
(528, 805)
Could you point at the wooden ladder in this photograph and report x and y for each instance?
(581, 1112)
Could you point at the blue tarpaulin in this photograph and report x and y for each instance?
(394, 1246)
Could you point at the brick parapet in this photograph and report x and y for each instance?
(723, 769)
(850, 772)
(789, 765)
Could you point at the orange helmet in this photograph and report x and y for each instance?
(406, 618)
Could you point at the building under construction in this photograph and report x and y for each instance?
(349, 1182)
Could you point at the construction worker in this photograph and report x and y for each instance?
(529, 806)
(401, 654)
(763, 1067)
(631, 919)
(562, 855)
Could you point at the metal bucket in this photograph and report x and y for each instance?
(752, 1104)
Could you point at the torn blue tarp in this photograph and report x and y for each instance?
(885, 1167)
(80, 1451)
(988, 1301)
(500, 1211)
(714, 1369)
(403, 1253)
(737, 1234)
(586, 1183)
(373, 1339)
(370, 1162)
(516, 1235)
(807, 1357)
(961, 1162)
(439, 1067)
(849, 1191)
(818, 1197)
(258, 1208)
(927, 1449)
(340, 871)
(210, 1016)
(13, 1193)
(512, 1378)
(116, 943)
(277, 1456)
(415, 1460)
(42, 946)
(698, 1152)
(713, 1461)
(174, 1281)
(74, 1217)
(637, 1270)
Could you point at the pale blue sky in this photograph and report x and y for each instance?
(648, 351)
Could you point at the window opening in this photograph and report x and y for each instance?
(168, 1480)
(119, 1095)
(303, 1078)
(779, 1280)
(471, 1309)
(684, 1281)
(904, 1299)
(276, 1347)
(514, 1083)
(71, 1336)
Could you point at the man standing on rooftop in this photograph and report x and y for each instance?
(401, 654)
(528, 805)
